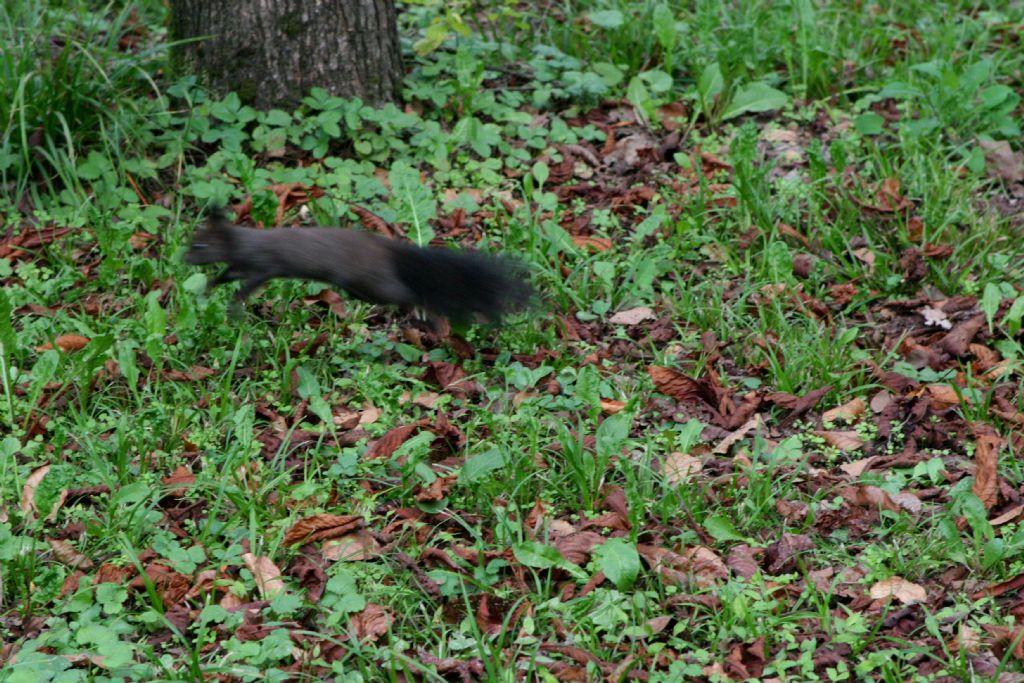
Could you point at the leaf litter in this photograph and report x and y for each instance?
(913, 414)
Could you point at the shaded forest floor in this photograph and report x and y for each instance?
(765, 423)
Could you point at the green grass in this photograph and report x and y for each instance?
(483, 529)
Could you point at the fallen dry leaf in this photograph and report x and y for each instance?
(986, 458)
(352, 547)
(849, 411)
(266, 573)
(178, 481)
(592, 243)
(943, 395)
(897, 587)
(633, 316)
(28, 491)
(1008, 516)
(880, 401)
(845, 440)
(611, 406)
(673, 383)
(369, 415)
(723, 447)
(321, 527)
(874, 497)
(1002, 162)
(66, 343)
(857, 467)
(372, 623)
(68, 554)
(680, 467)
(867, 257)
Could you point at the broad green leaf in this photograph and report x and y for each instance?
(755, 97)
(721, 529)
(8, 342)
(664, 26)
(990, 301)
(611, 435)
(710, 82)
(611, 18)
(869, 123)
(619, 561)
(481, 465)
(540, 556)
(1013, 317)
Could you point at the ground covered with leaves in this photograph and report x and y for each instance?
(764, 424)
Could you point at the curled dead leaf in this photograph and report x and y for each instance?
(322, 527)
(680, 467)
(68, 554)
(986, 459)
(360, 545)
(723, 447)
(266, 573)
(372, 623)
(673, 383)
(633, 316)
(849, 411)
(844, 440)
(28, 491)
(874, 497)
(611, 406)
(66, 343)
(592, 243)
(904, 591)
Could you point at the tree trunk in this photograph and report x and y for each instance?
(271, 52)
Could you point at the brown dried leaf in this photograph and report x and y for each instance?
(369, 415)
(857, 467)
(389, 443)
(321, 527)
(66, 343)
(266, 573)
(849, 411)
(943, 395)
(178, 481)
(680, 467)
(874, 497)
(69, 555)
(28, 491)
(611, 406)
(593, 244)
(360, 545)
(372, 623)
(986, 458)
(1008, 516)
(742, 561)
(576, 547)
(1002, 162)
(674, 383)
(846, 440)
(723, 447)
(780, 556)
(867, 257)
(633, 316)
(907, 592)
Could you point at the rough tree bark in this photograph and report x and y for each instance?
(271, 52)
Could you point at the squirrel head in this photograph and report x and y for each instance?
(211, 243)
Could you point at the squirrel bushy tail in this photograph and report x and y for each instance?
(458, 284)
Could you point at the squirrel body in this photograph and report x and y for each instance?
(459, 285)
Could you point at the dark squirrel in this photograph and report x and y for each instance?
(462, 286)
